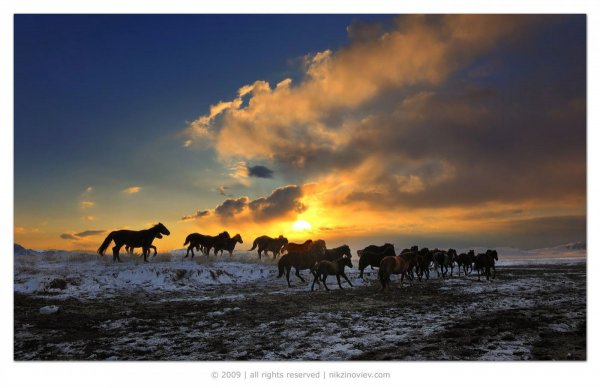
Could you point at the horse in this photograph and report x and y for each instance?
(301, 260)
(129, 249)
(485, 261)
(269, 244)
(324, 268)
(393, 265)
(202, 242)
(337, 253)
(444, 260)
(293, 247)
(424, 260)
(372, 256)
(227, 244)
(135, 238)
(466, 261)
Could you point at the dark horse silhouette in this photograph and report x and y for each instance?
(227, 244)
(133, 238)
(336, 267)
(372, 255)
(394, 265)
(129, 249)
(268, 244)
(301, 260)
(484, 262)
(203, 242)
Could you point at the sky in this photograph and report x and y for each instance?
(437, 130)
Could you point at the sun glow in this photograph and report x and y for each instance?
(301, 225)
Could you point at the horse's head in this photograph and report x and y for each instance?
(224, 234)
(359, 252)
(282, 239)
(346, 261)
(493, 254)
(346, 251)
(307, 242)
(414, 248)
(160, 228)
(238, 238)
(471, 254)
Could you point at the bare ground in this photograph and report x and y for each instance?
(527, 313)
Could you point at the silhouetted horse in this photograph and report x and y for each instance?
(466, 261)
(269, 244)
(203, 242)
(372, 255)
(444, 260)
(301, 260)
(394, 265)
(337, 253)
(484, 262)
(324, 268)
(227, 244)
(134, 238)
(129, 249)
(293, 247)
(424, 260)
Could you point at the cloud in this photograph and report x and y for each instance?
(88, 218)
(243, 170)
(260, 171)
(87, 233)
(222, 190)
(231, 207)
(86, 204)
(132, 190)
(20, 229)
(437, 112)
(198, 214)
(282, 202)
(81, 235)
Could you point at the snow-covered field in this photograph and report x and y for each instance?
(81, 306)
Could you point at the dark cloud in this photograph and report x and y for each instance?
(281, 202)
(260, 172)
(231, 207)
(198, 214)
(79, 235)
(222, 190)
(87, 233)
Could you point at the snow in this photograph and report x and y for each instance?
(52, 309)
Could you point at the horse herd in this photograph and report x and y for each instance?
(317, 258)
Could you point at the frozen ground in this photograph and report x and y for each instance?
(236, 309)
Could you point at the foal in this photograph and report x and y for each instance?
(325, 267)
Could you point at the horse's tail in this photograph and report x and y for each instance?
(281, 266)
(254, 244)
(106, 243)
(187, 240)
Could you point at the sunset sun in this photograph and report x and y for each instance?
(301, 225)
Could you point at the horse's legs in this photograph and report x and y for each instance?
(298, 275)
(325, 281)
(494, 268)
(287, 275)
(314, 281)
(339, 282)
(259, 251)
(361, 274)
(116, 252)
(346, 277)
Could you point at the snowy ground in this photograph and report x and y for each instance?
(228, 309)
